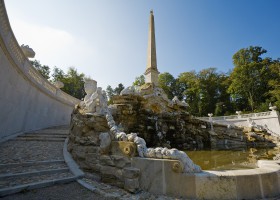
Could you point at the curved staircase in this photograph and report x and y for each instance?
(34, 160)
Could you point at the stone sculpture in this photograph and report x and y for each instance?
(97, 104)
(28, 52)
(176, 101)
(95, 100)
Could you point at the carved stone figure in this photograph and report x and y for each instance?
(176, 101)
(96, 99)
(90, 87)
(28, 52)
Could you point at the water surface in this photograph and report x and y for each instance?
(231, 159)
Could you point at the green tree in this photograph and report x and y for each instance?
(274, 83)
(179, 89)
(44, 70)
(208, 87)
(248, 55)
(167, 82)
(72, 80)
(205, 91)
(58, 74)
(139, 80)
(223, 102)
(250, 76)
(110, 93)
(192, 90)
(117, 90)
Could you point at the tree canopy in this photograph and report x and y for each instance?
(139, 80)
(250, 76)
(43, 69)
(73, 80)
(250, 86)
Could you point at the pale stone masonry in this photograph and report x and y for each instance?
(151, 73)
(28, 101)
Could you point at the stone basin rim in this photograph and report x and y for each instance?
(263, 167)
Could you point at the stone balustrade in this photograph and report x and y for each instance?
(269, 119)
(250, 115)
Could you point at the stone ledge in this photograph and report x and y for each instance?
(157, 177)
(74, 168)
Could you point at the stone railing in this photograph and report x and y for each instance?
(22, 63)
(261, 114)
(270, 120)
(234, 117)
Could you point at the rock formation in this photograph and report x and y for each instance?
(101, 145)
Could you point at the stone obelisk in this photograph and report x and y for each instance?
(151, 73)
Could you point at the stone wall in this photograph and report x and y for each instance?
(113, 165)
(27, 101)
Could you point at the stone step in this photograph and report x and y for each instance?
(51, 131)
(34, 172)
(39, 139)
(31, 166)
(35, 185)
(42, 135)
(28, 178)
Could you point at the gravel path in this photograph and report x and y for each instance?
(71, 191)
(23, 151)
(33, 160)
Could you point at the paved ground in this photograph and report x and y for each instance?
(73, 191)
(32, 167)
(34, 160)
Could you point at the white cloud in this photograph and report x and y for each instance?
(45, 39)
(53, 47)
(96, 57)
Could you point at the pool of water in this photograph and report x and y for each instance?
(231, 159)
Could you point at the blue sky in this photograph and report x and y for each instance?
(107, 39)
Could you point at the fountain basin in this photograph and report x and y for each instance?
(157, 176)
(231, 159)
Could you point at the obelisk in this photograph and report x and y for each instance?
(151, 73)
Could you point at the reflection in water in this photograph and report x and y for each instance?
(231, 159)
